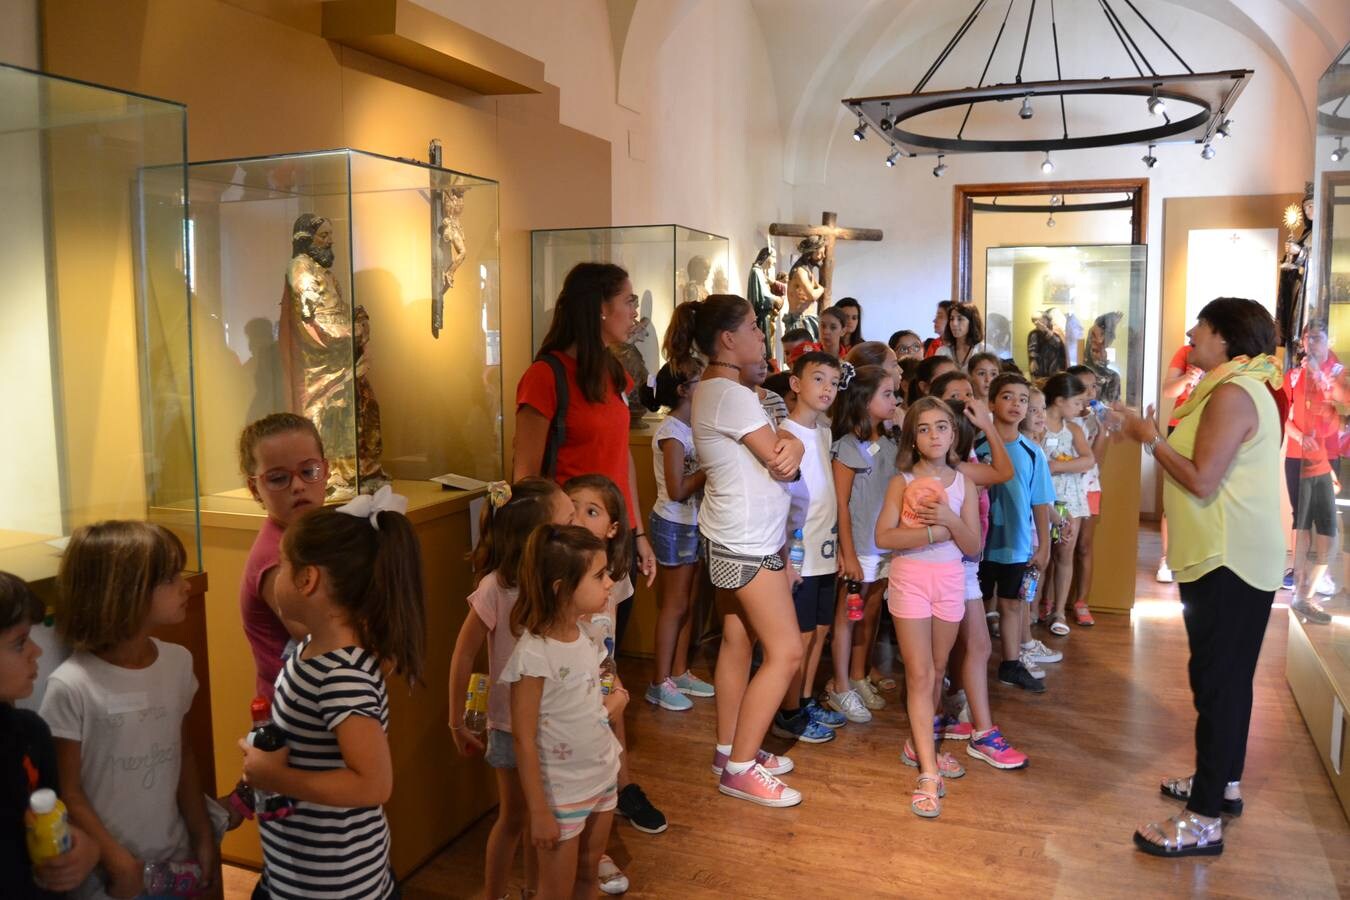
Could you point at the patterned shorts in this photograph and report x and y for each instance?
(732, 571)
(572, 817)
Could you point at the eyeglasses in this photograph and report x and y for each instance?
(310, 471)
(908, 349)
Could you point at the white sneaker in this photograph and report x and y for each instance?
(1030, 662)
(850, 704)
(1164, 575)
(1325, 586)
(1041, 653)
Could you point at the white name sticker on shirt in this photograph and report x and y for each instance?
(127, 703)
(873, 448)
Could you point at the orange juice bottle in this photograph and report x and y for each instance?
(48, 827)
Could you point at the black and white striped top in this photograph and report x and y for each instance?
(325, 851)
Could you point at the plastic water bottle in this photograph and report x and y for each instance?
(1103, 414)
(48, 826)
(854, 601)
(267, 735)
(475, 705)
(179, 878)
(797, 551)
(1030, 582)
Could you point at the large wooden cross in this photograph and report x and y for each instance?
(831, 231)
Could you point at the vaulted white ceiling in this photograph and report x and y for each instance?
(821, 52)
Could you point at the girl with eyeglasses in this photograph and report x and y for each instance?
(282, 459)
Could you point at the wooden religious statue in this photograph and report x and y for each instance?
(807, 286)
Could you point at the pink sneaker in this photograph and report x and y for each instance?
(955, 730)
(994, 749)
(758, 786)
(774, 765)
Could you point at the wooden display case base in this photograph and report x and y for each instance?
(1317, 667)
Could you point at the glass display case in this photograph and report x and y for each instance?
(360, 291)
(667, 264)
(1048, 308)
(93, 353)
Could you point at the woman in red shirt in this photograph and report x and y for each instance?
(597, 308)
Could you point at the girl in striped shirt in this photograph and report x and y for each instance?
(353, 577)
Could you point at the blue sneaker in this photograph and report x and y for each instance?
(691, 685)
(827, 717)
(1288, 582)
(801, 727)
(667, 696)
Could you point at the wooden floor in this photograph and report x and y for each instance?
(1116, 718)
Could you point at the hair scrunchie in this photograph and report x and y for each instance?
(846, 373)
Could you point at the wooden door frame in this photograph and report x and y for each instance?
(965, 196)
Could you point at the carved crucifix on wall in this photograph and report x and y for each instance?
(828, 231)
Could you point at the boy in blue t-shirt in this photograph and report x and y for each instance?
(1015, 508)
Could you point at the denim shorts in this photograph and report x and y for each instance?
(672, 543)
(501, 750)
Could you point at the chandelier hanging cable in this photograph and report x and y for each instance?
(1188, 106)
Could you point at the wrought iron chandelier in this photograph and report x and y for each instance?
(1191, 107)
(1333, 91)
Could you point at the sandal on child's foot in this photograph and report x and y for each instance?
(1183, 835)
(1083, 615)
(1180, 789)
(948, 765)
(1058, 625)
(927, 804)
(883, 682)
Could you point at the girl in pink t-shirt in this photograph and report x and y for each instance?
(509, 516)
(282, 459)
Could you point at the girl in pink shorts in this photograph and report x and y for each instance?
(927, 579)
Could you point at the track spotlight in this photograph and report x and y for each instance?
(941, 168)
(1339, 153)
(1050, 222)
(894, 155)
(885, 123)
(1026, 112)
(1208, 152)
(1047, 165)
(1149, 159)
(860, 133)
(1156, 106)
(1225, 128)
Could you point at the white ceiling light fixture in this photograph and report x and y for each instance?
(940, 169)
(1026, 112)
(890, 160)
(1150, 159)
(1208, 152)
(1047, 164)
(1339, 153)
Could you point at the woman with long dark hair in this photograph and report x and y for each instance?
(596, 309)
(963, 336)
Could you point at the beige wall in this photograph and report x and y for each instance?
(255, 86)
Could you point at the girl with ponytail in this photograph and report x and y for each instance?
(742, 521)
(352, 576)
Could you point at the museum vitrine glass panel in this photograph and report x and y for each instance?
(93, 356)
(359, 291)
(667, 264)
(1048, 308)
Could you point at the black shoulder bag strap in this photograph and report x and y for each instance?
(557, 430)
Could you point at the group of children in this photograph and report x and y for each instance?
(110, 734)
(931, 493)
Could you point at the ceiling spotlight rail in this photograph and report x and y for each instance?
(1192, 106)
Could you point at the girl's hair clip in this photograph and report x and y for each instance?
(499, 494)
(846, 373)
(369, 506)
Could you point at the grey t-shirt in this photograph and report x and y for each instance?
(129, 723)
(873, 465)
